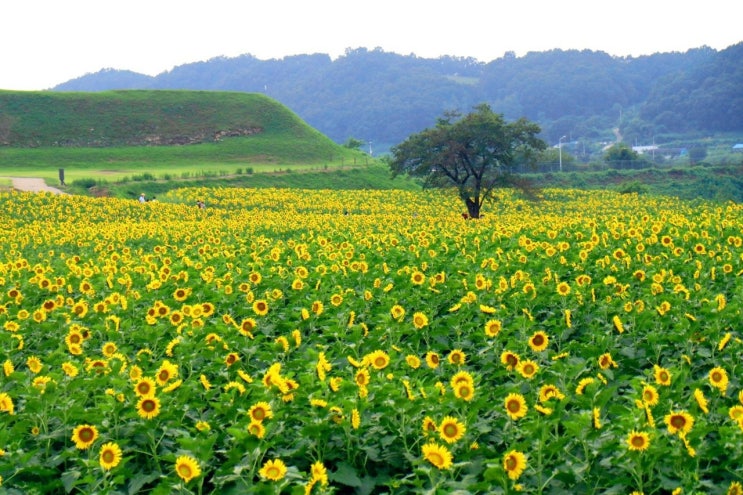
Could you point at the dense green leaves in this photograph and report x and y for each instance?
(475, 154)
(385, 97)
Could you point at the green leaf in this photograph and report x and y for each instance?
(139, 480)
(69, 478)
(346, 475)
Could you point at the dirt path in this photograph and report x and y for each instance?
(32, 184)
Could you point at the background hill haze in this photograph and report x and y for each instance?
(381, 98)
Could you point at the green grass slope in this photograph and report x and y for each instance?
(124, 132)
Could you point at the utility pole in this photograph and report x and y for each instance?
(559, 147)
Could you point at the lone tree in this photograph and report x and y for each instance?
(476, 154)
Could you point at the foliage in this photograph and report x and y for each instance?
(621, 152)
(351, 329)
(353, 143)
(475, 153)
(385, 97)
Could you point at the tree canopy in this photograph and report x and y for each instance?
(476, 153)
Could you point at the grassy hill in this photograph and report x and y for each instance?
(119, 133)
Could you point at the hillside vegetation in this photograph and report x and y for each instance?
(135, 118)
(671, 99)
(136, 130)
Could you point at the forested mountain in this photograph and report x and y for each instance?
(383, 97)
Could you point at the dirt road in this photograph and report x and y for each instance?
(31, 184)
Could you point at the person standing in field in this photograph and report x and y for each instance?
(141, 198)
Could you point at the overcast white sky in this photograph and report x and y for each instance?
(47, 42)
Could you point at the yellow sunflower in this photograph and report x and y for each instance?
(618, 325)
(413, 361)
(701, 400)
(257, 429)
(462, 377)
(650, 395)
(181, 294)
(429, 426)
(451, 430)
(260, 411)
(718, 377)
(662, 375)
(638, 440)
(317, 307)
(493, 328)
(514, 463)
(148, 407)
(527, 368)
(456, 357)
(509, 359)
(432, 359)
(417, 277)
(420, 320)
(547, 392)
(247, 326)
(515, 405)
(84, 436)
(736, 413)
(362, 377)
(273, 470)
(319, 473)
(438, 455)
(34, 364)
(378, 359)
(187, 468)
(397, 312)
(231, 358)
(74, 337)
(260, 307)
(110, 456)
(145, 387)
(6, 403)
(464, 391)
(538, 341)
(563, 289)
(679, 422)
(166, 372)
(606, 361)
(70, 369)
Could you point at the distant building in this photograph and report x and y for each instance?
(738, 147)
(644, 149)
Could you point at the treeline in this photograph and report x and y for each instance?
(381, 98)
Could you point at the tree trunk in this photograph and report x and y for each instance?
(473, 207)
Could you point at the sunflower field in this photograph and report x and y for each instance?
(307, 342)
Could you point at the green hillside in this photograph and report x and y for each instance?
(134, 131)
